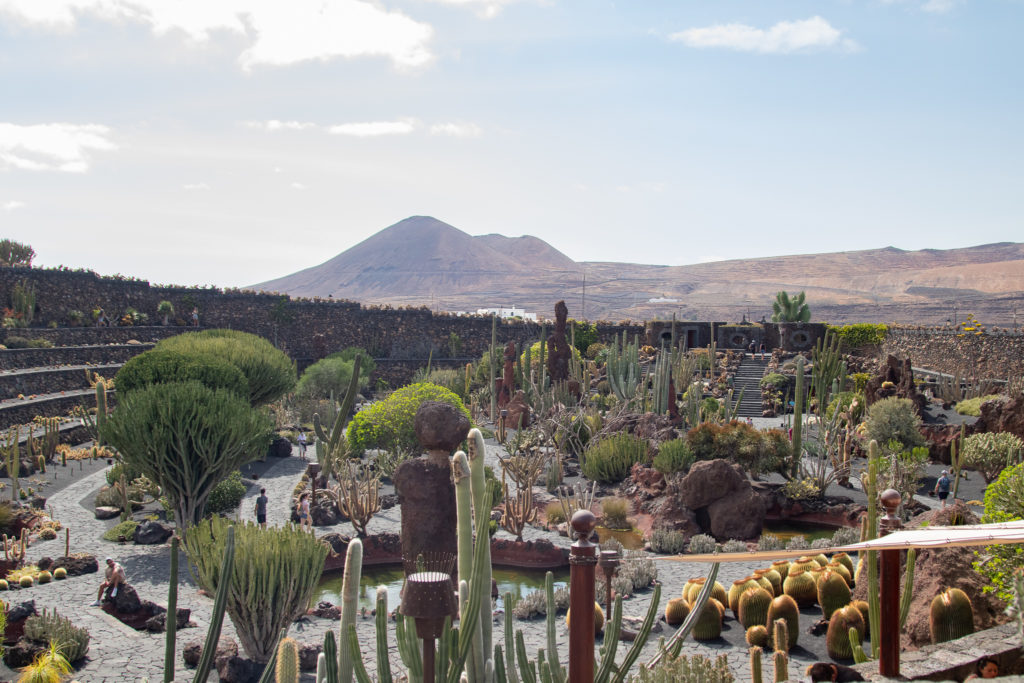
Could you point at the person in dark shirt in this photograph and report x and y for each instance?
(942, 487)
(261, 509)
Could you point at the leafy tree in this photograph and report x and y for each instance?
(270, 373)
(186, 438)
(16, 254)
(366, 364)
(390, 423)
(786, 310)
(326, 376)
(160, 366)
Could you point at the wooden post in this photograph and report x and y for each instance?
(582, 567)
(889, 590)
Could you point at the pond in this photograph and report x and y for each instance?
(517, 581)
(631, 539)
(786, 530)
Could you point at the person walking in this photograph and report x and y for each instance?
(942, 487)
(261, 509)
(195, 317)
(763, 348)
(114, 577)
(305, 521)
(302, 444)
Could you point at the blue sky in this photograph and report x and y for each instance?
(235, 141)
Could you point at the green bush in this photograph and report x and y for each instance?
(535, 358)
(451, 379)
(843, 401)
(388, 424)
(15, 342)
(859, 334)
(972, 406)
(126, 529)
(668, 541)
(226, 495)
(801, 489)
(757, 452)
(52, 627)
(894, 418)
(610, 460)
(990, 453)
(161, 366)
(326, 377)
(615, 513)
(595, 349)
(776, 381)
(113, 474)
(270, 373)
(673, 456)
(1004, 502)
(703, 544)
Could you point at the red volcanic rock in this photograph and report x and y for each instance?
(539, 554)
(900, 374)
(1002, 416)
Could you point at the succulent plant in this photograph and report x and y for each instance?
(737, 589)
(598, 618)
(833, 592)
(951, 616)
(837, 638)
(865, 611)
(676, 611)
(60, 573)
(821, 559)
(775, 579)
(4, 585)
(44, 577)
(753, 606)
(26, 582)
(844, 559)
(841, 569)
(758, 636)
(709, 623)
(782, 567)
(800, 586)
(764, 582)
(785, 607)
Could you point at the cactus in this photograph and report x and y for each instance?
(12, 458)
(837, 638)
(676, 611)
(172, 614)
(784, 608)
(623, 368)
(842, 571)
(755, 663)
(781, 660)
(763, 581)
(782, 567)
(758, 636)
(349, 600)
(753, 606)
(798, 417)
(709, 623)
(956, 450)
(951, 616)
(219, 604)
(598, 619)
(41, 464)
(800, 586)
(870, 531)
(492, 360)
(328, 671)
(662, 381)
(335, 449)
(833, 593)
(60, 573)
(775, 579)
(856, 649)
(844, 559)
(908, 587)
(287, 668)
(737, 589)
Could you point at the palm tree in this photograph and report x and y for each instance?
(786, 310)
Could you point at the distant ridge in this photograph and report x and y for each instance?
(422, 261)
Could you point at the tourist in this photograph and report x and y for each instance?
(752, 348)
(942, 487)
(305, 521)
(827, 671)
(195, 316)
(114, 577)
(763, 348)
(101, 319)
(985, 668)
(302, 444)
(261, 509)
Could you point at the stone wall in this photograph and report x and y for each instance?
(971, 356)
(49, 381)
(15, 359)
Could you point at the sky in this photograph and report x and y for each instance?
(231, 142)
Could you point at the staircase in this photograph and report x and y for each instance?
(748, 380)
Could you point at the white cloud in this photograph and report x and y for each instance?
(51, 146)
(457, 130)
(280, 33)
(275, 125)
(374, 128)
(195, 187)
(297, 186)
(782, 38)
(932, 6)
(12, 205)
(486, 9)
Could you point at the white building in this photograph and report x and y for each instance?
(508, 312)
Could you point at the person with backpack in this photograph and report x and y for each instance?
(942, 487)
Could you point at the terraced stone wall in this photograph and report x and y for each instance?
(987, 356)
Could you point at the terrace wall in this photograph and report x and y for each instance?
(987, 356)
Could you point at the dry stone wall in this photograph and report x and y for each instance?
(987, 356)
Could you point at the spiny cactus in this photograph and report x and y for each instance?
(598, 619)
(676, 611)
(737, 589)
(841, 569)
(800, 586)
(753, 606)
(782, 567)
(837, 638)
(798, 417)
(951, 616)
(287, 668)
(171, 623)
(709, 623)
(758, 635)
(833, 593)
(784, 608)
(775, 579)
(755, 664)
(908, 587)
(781, 660)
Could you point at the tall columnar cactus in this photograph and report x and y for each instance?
(219, 605)
(662, 381)
(349, 601)
(871, 556)
(755, 664)
(908, 587)
(172, 614)
(492, 361)
(781, 660)
(12, 458)
(956, 455)
(334, 447)
(798, 417)
(856, 645)
(287, 668)
(623, 368)
(101, 409)
(951, 616)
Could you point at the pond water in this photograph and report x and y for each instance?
(517, 581)
(631, 539)
(786, 530)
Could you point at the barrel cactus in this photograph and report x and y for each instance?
(785, 607)
(845, 560)
(952, 616)
(753, 606)
(841, 569)
(833, 592)
(60, 573)
(676, 611)
(737, 589)
(44, 577)
(805, 563)
(837, 638)
(800, 586)
(782, 567)
(598, 618)
(865, 610)
(775, 579)
(26, 582)
(4, 585)
(757, 636)
(709, 622)
(821, 559)
(764, 582)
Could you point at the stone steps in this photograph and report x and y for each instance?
(748, 379)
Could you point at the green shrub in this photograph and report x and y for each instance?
(972, 406)
(860, 334)
(844, 401)
(668, 541)
(226, 495)
(327, 376)
(451, 379)
(702, 544)
(554, 513)
(798, 542)
(126, 529)
(113, 474)
(535, 357)
(366, 364)
(776, 381)
(801, 489)
(734, 546)
(595, 349)
(15, 342)
(894, 418)
(389, 423)
(615, 513)
(270, 373)
(769, 542)
(52, 627)
(990, 453)
(673, 456)
(860, 381)
(757, 452)
(610, 460)
(1004, 502)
